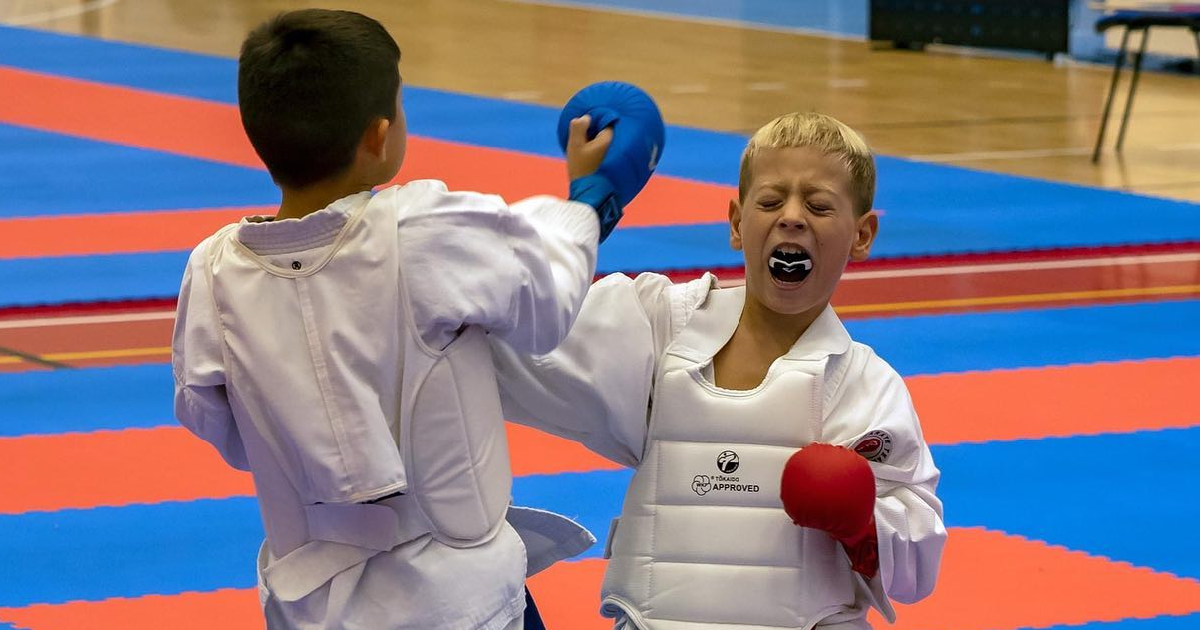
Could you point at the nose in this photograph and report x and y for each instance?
(793, 215)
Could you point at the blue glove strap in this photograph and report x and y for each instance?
(596, 191)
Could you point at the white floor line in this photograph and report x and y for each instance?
(57, 14)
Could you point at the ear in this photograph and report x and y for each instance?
(867, 227)
(374, 139)
(735, 224)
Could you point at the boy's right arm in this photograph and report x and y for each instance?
(201, 403)
(520, 271)
(595, 387)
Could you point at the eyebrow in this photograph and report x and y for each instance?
(807, 189)
(772, 186)
(813, 188)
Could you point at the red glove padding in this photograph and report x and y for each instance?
(832, 488)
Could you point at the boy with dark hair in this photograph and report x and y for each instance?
(305, 96)
(338, 350)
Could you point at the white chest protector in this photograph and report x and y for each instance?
(703, 541)
(322, 398)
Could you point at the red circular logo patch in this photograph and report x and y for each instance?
(875, 446)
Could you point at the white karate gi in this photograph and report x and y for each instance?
(627, 384)
(341, 359)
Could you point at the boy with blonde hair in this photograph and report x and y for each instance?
(781, 477)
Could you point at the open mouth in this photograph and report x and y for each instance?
(790, 264)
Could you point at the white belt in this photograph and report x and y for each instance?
(342, 536)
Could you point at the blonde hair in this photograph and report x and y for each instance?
(825, 134)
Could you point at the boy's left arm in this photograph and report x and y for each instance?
(201, 402)
(872, 414)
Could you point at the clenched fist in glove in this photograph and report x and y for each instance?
(832, 489)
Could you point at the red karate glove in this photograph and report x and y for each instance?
(832, 489)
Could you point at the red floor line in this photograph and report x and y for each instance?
(137, 118)
(988, 581)
(125, 233)
(1058, 401)
(107, 467)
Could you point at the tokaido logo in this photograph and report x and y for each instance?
(727, 462)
